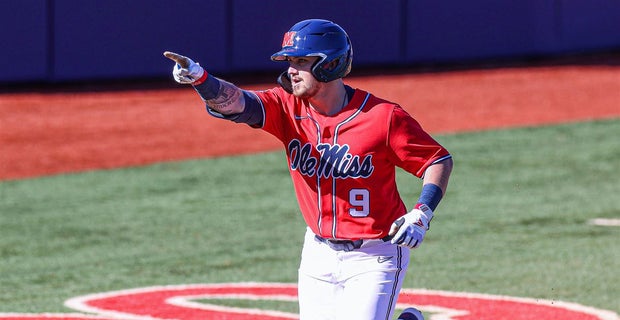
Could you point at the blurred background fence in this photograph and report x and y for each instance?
(52, 41)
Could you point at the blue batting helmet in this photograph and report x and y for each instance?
(319, 38)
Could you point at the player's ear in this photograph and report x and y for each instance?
(332, 65)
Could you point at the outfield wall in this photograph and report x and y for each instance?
(72, 40)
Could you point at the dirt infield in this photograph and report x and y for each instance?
(43, 133)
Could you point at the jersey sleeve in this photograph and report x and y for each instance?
(276, 107)
(413, 149)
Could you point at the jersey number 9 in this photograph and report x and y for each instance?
(360, 200)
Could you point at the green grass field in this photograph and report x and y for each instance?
(514, 222)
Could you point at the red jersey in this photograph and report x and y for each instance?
(343, 166)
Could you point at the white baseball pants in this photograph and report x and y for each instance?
(362, 284)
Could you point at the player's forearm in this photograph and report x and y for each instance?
(221, 96)
(439, 174)
(435, 183)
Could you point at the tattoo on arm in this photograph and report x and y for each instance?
(227, 100)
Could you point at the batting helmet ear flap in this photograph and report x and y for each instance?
(285, 82)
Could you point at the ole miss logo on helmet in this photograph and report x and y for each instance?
(289, 39)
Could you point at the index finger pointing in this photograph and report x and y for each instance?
(183, 61)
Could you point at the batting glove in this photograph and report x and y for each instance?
(409, 230)
(186, 71)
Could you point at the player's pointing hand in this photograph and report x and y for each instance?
(185, 71)
(183, 61)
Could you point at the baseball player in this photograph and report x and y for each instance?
(343, 146)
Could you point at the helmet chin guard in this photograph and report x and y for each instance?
(319, 38)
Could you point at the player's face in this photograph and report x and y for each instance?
(304, 84)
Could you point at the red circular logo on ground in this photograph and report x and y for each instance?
(181, 302)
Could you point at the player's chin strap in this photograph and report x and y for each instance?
(285, 82)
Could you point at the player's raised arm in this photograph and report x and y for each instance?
(220, 96)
